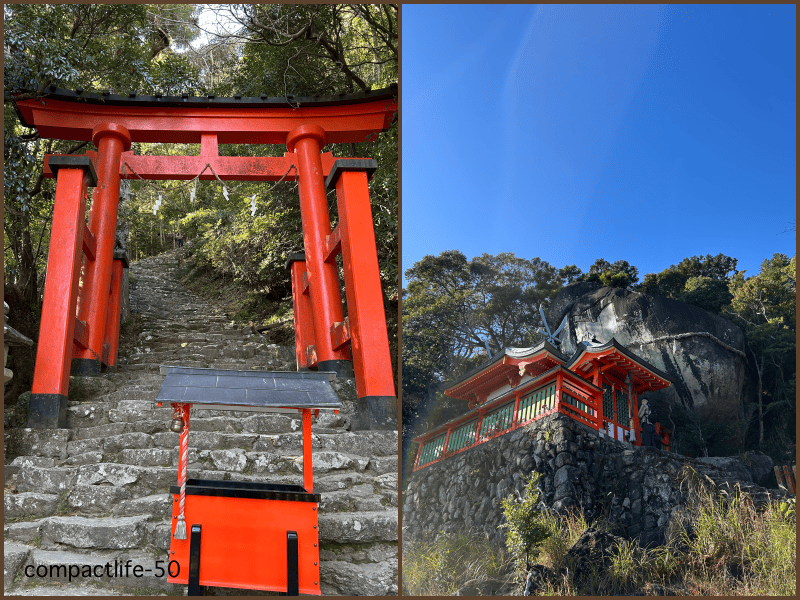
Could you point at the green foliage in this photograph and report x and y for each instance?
(570, 273)
(706, 293)
(315, 49)
(274, 49)
(788, 509)
(700, 281)
(453, 307)
(523, 522)
(562, 532)
(617, 274)
(118, 47)
(765, 307)
(443, 566)
(721, 545)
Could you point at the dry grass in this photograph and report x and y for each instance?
(721, 545)
(443, 566)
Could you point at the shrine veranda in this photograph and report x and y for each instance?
(599, 386)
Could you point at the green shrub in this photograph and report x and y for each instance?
(526, 531)
(563, 532)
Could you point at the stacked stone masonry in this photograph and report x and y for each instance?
(636, 489)
(98, 491)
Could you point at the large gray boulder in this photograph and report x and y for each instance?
(701, 352)
(750, 466)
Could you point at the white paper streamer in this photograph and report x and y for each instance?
(125, 189)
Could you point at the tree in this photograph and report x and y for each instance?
(570, 273)
(86, 46)
(302, 50)
(312, 49)
(458, 312)
(709, 277)
(146, 49)
(490, 300)
(765, 306)
(618, 274)
(526, 531)
(706, 293)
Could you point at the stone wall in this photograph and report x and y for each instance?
(636, 488)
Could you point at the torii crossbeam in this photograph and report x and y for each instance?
(325, 338)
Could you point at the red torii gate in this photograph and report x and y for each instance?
(85, 340)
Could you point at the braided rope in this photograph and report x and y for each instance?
(180, 527)
(196, 178)
(705, 334)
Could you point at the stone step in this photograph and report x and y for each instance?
(14, 557)
(149, 393)
(73, 590)
(99, 533)
(151, 478)
(26, 505)
(88, 414)
(139, 425)
(107, 569)
(362, 527)
(37, 442)
(99, 490)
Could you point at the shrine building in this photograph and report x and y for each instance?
(599, 386)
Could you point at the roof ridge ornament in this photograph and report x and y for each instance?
(551, 337)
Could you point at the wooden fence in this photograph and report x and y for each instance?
(787, 477)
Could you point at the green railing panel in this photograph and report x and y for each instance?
(462, 437)
(431, 450)
(535, 403)
(570, 399)
(576, 415)
(608, 401)
(498, 420)
(622, 408)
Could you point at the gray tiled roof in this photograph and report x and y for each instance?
(223, 389)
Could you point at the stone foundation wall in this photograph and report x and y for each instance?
(636, 488)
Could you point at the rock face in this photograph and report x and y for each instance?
(700, 351)
(638, 489)
(591, 555)
(751, 466)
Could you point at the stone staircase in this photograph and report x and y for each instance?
(96, 493)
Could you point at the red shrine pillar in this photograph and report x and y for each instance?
(301, 307)
(366, 318)
(68, 239)
(111, 140)
(113, 313)
(323, 277)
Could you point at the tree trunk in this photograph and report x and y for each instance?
(760, 372)
(28, 278)
(760, 403)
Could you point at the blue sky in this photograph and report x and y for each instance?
(643, 133)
